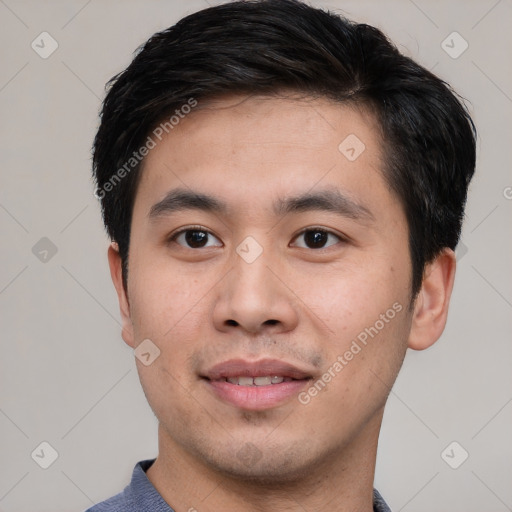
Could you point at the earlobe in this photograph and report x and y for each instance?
(116, 272)
(431, 305)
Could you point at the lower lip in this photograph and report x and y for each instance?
(256, 398)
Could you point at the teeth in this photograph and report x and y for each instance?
(265, 380)
(262, 381)
(245, 381)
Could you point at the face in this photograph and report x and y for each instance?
(270, 266)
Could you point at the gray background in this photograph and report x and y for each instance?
(66, 376)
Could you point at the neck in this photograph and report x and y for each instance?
(342, 481)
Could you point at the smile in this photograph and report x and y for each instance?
(266, 380)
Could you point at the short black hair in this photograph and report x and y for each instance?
(268, 46)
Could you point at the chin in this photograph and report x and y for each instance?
(270, 466)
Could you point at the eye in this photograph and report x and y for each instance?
(195, 238)
(316, 238)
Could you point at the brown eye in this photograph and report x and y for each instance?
(196, 239)
(316, 239)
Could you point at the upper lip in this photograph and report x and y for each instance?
(262, 367)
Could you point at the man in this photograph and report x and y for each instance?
(284, 192)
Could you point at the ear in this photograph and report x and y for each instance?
(431, 305)
(116, 272)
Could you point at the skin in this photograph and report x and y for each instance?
(304, 305)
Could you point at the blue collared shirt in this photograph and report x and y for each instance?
(141, 496)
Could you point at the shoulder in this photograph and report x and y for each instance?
(379, 505)
(117, 503)
(138, 495)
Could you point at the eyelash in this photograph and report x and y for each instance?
(319, 229)
(341, 238)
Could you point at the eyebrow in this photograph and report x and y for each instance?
(181, 199)
(324, 200)
(327, 200)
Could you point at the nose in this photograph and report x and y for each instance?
(253, 299)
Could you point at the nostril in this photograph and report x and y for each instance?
(233, 323)
(271, 322)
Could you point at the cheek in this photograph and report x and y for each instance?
(163, 297)
(352, 297)
(362, 364)
(168, 310)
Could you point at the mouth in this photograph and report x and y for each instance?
(255, 385)
(262, 380)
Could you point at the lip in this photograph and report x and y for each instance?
(255, 398)
(241, 367)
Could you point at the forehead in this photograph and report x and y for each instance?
(249, 147)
